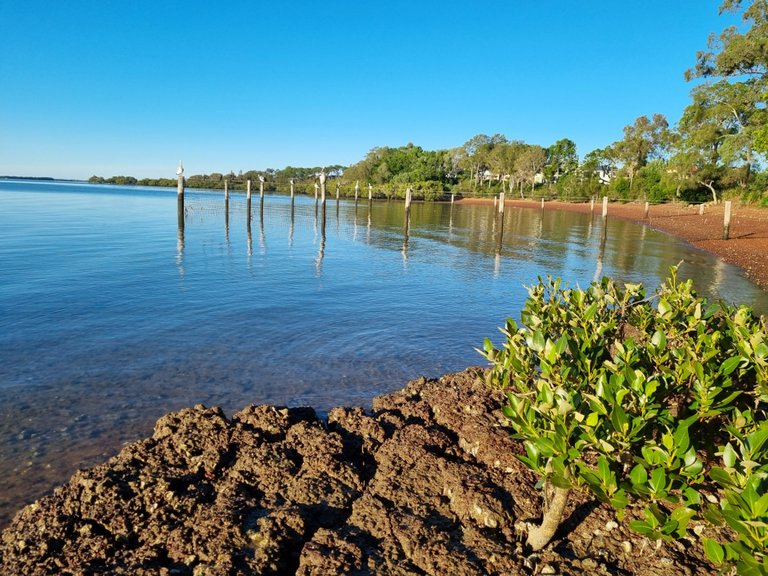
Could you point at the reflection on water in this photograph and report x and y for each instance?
(115, 311)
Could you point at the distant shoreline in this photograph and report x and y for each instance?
(40, 179)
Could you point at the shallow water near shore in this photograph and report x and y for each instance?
(113, 315)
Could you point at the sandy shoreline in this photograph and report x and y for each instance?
(747, 247)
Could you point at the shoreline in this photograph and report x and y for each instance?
(427, 482)
(746, 248)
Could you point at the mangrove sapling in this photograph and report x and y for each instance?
(628, 397)
(554, 507)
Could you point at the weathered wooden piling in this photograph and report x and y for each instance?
(727, 220)
(323, 178)
(592, 205)
(292, 189)
(647, 209)
(501, 203)
(408, 197)
(370, 193)
(357, 190)
(317, 189)
(180, 196)
(248, 189)
(542, 203)
(226, 207)
(701, 209)
(605, 206)
(261, 186)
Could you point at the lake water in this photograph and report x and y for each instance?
(111, 315)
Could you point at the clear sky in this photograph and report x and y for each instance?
(129, 87)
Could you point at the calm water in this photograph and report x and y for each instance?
(110, 315)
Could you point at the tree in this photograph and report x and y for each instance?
(477, 152)
(734, 96)
(529, 163)
(643, 140)
(561, 159)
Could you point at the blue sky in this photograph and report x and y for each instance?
(130, 87)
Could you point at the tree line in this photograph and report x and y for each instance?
(715, 149)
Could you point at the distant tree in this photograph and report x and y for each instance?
(643, 140)
(561, 159)
(735, 94)
(528, 163)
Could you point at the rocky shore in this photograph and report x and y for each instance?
(425, 483)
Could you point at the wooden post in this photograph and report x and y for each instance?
(370, 192)
(261, 202)
(605, 206)
(248, 189)
(542, 203)
(501, 202)
(592, 205)
(292, 192)
(453, 197)
(226, 190)
(701, 209)
(317, 188)
(180, 197)
(495, 202)
(338, 188)
(357, 190)
(647, 208)
(408, 196)
(727, 220)
(322, 186)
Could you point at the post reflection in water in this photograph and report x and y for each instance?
(601, 252)
(526, 243)
(290, 229)
(321, 250)
(248, 227)
(180, 245)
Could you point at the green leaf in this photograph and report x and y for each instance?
(659, 340)
(682, 442)
(730, 365)
(644, 528)
(638, 476)
(721, 477)
(537, 342)
(619, 500)
(729, 456)
(714, 551)
(658, 480)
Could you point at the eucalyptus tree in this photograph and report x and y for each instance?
(528, 163)
(734, 94)
(561, 159)
(477, 152)
(644, 140)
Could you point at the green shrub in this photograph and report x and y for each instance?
(653, 401)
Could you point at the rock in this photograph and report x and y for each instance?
(426, 483)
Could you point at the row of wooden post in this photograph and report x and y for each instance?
(408, 197)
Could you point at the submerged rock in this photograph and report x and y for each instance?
(427, 483)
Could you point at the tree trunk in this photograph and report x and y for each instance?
(539, 536)
(711, 189)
